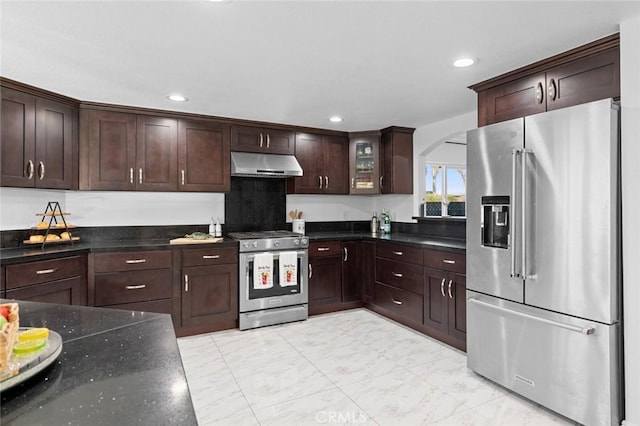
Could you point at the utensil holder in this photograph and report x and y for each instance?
(297, 225)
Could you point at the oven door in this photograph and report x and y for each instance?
(252, 299)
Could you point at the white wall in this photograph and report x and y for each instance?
(98, 208)
(630, 96)
(327, 208)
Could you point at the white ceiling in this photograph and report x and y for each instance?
(296, 62)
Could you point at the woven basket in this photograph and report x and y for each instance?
(8, 334)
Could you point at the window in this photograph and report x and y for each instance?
(446, 188)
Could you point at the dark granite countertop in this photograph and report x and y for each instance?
(423, 241)
(116, 367)
(10, 256)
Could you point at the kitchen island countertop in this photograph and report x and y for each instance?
(116, 367)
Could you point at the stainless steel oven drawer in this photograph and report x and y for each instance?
(564, 363)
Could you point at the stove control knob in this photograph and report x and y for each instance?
(276, 243)
(296, 241)
(304, 241)
(255, 244)
(246, 244)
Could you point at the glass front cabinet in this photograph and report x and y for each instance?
(364, 163)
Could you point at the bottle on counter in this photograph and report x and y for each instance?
(375, 223)
(387, 223)
(212, 228)
(218, 228)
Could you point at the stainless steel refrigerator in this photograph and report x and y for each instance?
(543, 259)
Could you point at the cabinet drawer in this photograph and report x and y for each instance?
(402, 302)
(136, 286)
(42, 271)
(402, 275)
(325, 248)
(446, 260)
(132, 261)
(399, 252)
(209, 256)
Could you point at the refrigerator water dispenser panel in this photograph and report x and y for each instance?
(495, 222)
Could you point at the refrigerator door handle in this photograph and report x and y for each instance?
(512, 271)
(523, 204)
(583, 330)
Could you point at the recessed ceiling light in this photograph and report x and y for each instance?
(177, 98)
(335, 119)
(464, 62)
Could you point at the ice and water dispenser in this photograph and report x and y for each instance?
(495, 221)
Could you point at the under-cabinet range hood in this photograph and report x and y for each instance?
(264, 165)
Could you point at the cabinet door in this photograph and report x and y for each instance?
(18, 139)
(325, 280)
(156, 154)
(364, 163)
(309, 152)
(585, 80)
(70, 291)
(203, 156)
(351, 274)
(436, 303)
(397, 161)
(209, 295)
(54, 145)
(279, 141)
(456, 292)
(247, 139)
(112, 150)
(518, 98)
(336, 165)
(367, 257)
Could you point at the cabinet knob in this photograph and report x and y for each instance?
(551, 90)
(30, 169)
(539, 93)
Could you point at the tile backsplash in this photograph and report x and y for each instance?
(255, 204)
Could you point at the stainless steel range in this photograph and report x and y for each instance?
(273, 271)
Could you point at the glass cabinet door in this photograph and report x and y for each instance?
(364, 160)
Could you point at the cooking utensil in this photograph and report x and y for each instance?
(299, 215)
(292, 215)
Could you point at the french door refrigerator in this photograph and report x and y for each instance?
(543, 268)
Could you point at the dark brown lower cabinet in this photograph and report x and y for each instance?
(445, 303)
(351, 277)
(401, 302)
(62, 280)
(210, 296)
(325, 281)
(367, 260)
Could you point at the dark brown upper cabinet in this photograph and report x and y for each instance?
(37, 141)
(580, 75)
(364, 163)
(204, 156)
(261, 139)
(324, 160)
(122, 151)
(397, 160)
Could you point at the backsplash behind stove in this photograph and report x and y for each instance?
(255, 204)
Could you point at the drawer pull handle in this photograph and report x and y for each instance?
(442, 287)
(395, 274)
(30, 169)
(449, 289)
(211, 256)
(182, 176)
(397, 253)
(449, 261)
(323, 249)
(134, 261)
(186, 283)
(46, 271)
(135, 287)
(397, 302)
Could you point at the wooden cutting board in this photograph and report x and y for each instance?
(184, 240)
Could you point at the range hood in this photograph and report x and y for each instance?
(264, 165)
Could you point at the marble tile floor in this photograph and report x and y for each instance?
(349, 367)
